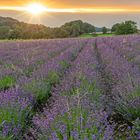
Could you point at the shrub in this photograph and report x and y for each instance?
(29, 70)
(6, 137)
(15, 112)
(129, 107)
(78, 118)
(64, 64)
(52, 78)
(78, 124)
(7, 82)
(40, 90)
(14, 118)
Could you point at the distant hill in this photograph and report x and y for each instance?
(13, 29)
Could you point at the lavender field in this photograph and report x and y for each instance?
(70, 89)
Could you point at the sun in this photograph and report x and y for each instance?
(35, 8)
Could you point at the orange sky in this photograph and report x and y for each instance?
(97, 18)
(131, 4)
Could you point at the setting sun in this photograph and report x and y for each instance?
(35, 8)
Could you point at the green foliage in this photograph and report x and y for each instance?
(7, 21)
(75, 123)
(127, 27)
(40, 62)
(136, 125)
(1, 62)
(86, 35)
(6, 138)
(52, 78)
(4, 31)
(86, 88)
(7, 82)
(129, 112)
(88, 28)
(16, 116)
(96, 35)
(71, 121)
(64, 64)
(135, 94)
(29, 70)
(8, 65)
(77, 27)
(93, 92)
(60, 33)
(114, 27)
(104, 30)
(106, 35)
(12, 115)
(76, 120)
(13, 29)
(129, 106)
(39, 89)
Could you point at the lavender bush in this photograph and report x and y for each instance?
(15, 108)
(70, 89)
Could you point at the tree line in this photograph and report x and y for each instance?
(13, 29)
(124, 28)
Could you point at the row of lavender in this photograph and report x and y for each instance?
(19, 92)
(24, 57)
(75, 110)
(98, 98)
(128, 47)
(92, 86)
(124, 81)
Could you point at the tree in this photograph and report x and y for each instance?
(131, 27)
(78, 27)
(13, 29)
(104, 30)
(4, 31)
(88, 28)
(127, 27)
(60, 33)
(114, 27)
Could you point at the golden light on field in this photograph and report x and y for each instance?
(35, 8)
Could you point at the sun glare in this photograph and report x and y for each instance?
(35, 8)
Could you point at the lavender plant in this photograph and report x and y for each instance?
(85, 83)
(15, 108)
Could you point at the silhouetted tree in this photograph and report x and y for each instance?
(104, 30)
(13, 29)
(127, 27)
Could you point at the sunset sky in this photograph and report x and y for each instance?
(96, 12)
